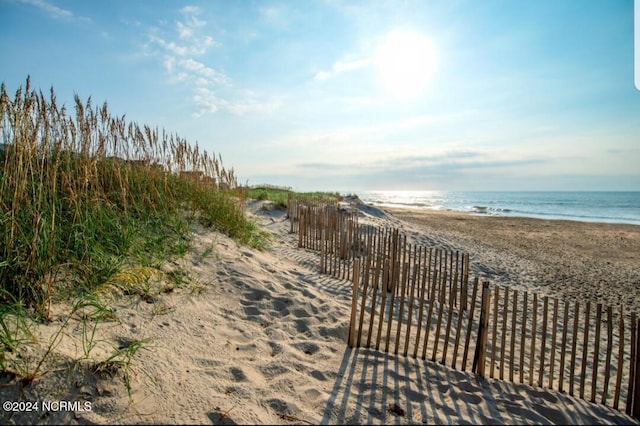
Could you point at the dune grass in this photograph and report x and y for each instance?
(280, 195)
(84, 195)
(91, 208)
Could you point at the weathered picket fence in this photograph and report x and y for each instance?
(418, 301)
(505, 334)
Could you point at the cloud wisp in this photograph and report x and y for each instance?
(185, 50)
(449, 161)
(54, 11)
(340, 67)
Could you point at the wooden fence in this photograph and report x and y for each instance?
(337, 235)
(303, 224)
(418, 301)
(505, 334)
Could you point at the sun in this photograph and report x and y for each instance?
(405, 62)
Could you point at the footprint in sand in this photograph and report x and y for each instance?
(252, 311)
(273, 369)
(281, 305)
(282, 407)
(301, 313)
(312, 394)
(318, 375)
(340, 332)
(254, 295)
(308, 348)
(302, 326)
(308, 294)
(276, 348)
(238, 374)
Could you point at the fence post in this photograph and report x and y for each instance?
(323, 252)
(636, 388)
(471, 316)
(481, 347)
(633, 393)
(631, 390)
(616, 395)
(354, 303)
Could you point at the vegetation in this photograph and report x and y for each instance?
(279, 196)
(89, 202)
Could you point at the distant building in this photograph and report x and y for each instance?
(140, 163)
(195, 175)
(208, 180)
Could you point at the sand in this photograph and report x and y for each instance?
(259, 337)
(564, 259)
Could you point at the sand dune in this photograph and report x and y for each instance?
(260, 338)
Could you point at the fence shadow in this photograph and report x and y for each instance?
(373, 387)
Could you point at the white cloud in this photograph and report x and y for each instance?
(365, 136)
(252, 105)
(206, 73)
(323, 75)
(179, 77)
(205, 100)
(187, 30)
(208, 101)
(193, 47)
(55, 11)
(184, 31)
(191, 10)
(169, 63)
(185, 52)
(340, 67)
(180, 49)
(190, 41)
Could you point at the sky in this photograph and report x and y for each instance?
(356, 95)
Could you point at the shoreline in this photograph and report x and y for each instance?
(582, 206)
(480, 211)
(571, 260)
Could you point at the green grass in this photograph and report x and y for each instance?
(280, 196)
(86, 197)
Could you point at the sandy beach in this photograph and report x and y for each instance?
(259, 337)
(565, 259)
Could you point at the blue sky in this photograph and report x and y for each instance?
(355, 95)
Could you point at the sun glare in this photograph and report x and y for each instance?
(405, 62)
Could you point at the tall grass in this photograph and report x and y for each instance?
(83, 194)
(280, 196)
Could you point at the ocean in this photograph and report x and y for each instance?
(587, 206)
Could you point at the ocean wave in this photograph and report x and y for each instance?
(612, 207)
(480, 209)
(387, 203)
